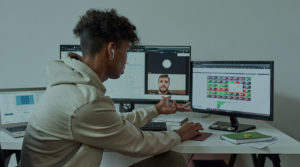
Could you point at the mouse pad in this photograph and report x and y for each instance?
(202, 137)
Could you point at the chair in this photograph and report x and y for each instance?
(2, 160)
(209, 163)
(6, 154)
(213, 163)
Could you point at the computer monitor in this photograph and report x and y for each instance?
(17, 104)
(233, 88)
(65, 49)
(150, 71)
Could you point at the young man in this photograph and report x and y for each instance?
(74, 121)
(163, 84)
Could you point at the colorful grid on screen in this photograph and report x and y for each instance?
(229, 87)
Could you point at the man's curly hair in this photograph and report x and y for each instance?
(97, 27)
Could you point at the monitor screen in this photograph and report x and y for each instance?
(150, 72)
(16, 105)
(65, 49)
(242, 89)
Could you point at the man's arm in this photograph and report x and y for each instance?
(140, 116)
(98, 125)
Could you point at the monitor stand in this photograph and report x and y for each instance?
(126, 107)
(232, 126)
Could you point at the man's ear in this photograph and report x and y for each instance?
(111, 50)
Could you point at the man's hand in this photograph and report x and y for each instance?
(183, 107)
(167, 107)
(189, 130)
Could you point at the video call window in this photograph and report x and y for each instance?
(167, 71)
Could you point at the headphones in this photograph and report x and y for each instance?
(111, 58)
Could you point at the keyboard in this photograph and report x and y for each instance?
(155, 126)
(16, 129)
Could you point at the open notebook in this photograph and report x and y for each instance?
(16, 106)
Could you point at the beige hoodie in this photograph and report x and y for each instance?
(75, 121)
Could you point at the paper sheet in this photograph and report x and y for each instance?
(261, 145)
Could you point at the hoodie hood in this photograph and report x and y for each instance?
(70, 70)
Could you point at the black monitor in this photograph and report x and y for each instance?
(235, 89)
(65, 49)
(148, 68)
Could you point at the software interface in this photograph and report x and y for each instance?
(240, 88)
(150, 72)
(16, 106)
(65, 49)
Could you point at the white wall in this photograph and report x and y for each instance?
(32, 30)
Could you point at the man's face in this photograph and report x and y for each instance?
(117, 67)
(163, 84)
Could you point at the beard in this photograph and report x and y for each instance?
(163, 89)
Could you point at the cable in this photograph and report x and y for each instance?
(206, 116)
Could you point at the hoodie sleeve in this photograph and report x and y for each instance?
(98, 125)
(140, 116)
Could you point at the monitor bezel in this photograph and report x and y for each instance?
(147, 101)
(22, 89)
(242, 115)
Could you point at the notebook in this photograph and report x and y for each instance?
(246, 137)
(15, 107)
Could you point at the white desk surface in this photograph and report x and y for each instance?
(213, 144)
(285, 144)
(9, 143)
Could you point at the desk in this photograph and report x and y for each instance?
(213, 145)
(285, 144)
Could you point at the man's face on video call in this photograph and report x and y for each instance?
(163, 84)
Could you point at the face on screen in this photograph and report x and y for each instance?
(163, 85)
